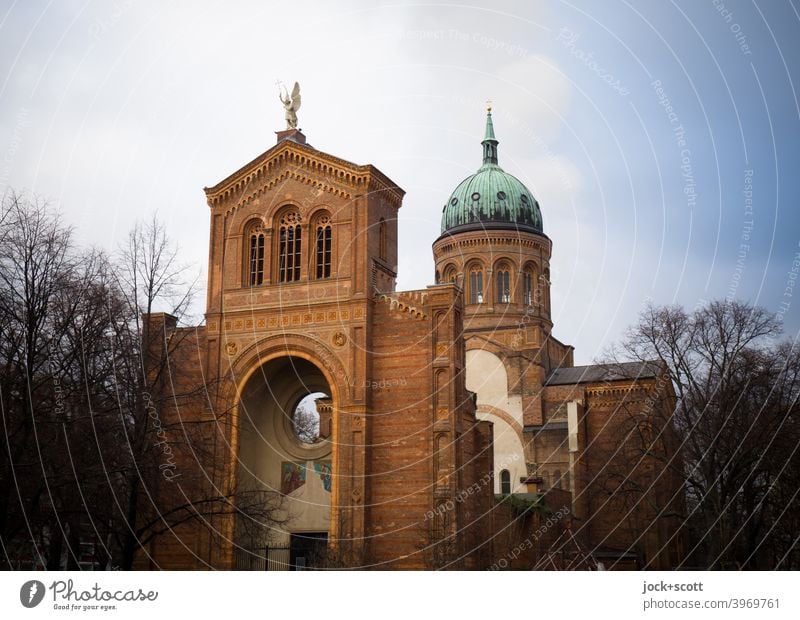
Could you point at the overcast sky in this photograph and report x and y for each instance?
(641, 127)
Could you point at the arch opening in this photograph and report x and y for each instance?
(284, 456)
(307, 418)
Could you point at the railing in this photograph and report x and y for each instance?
(264, 558)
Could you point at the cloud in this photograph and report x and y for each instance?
(536, 96)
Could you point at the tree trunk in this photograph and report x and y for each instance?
(131, 540)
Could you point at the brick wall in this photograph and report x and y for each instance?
(427, 450)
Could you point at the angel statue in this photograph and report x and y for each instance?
(291, 105)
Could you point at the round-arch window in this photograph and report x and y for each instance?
(454, 201)
(501, 195)
(505, 482)
(476, 196)
(306, 419)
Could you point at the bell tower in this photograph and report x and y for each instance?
(299, 242)
(493, 245)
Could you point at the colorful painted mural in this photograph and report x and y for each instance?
(293, 476)
(323, 469)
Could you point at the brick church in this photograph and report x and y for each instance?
(390, 425)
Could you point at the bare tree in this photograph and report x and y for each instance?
(148, 277)
(48, 313)
(96, 379)
(438, 541)
(736, 425)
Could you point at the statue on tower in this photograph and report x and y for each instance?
(290, 104)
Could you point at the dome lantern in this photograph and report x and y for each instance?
(489, 141)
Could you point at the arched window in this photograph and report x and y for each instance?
(505, 482)
(503, 286)
(382, 251)
(544, 290)
(324, 242)
(476, 285)
(289, 246)
(527, 287)
(449, 274)
(255, 261)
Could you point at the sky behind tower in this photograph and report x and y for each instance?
(660, 138)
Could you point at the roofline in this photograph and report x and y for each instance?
(563, 344)
(493, 226)
(649, 363)
(286, 145)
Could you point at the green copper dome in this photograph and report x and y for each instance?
(491, 198)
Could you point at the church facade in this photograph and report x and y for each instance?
(389, 425)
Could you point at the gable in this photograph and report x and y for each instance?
(318, 170)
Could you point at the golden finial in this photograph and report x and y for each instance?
(489, 106)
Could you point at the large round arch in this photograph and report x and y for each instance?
(273, 455)
(487, 377)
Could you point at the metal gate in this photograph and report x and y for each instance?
(306, 551)
(266, 558)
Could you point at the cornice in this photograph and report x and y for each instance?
(292, 161)
(476, 239)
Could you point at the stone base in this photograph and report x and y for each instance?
(295, 135)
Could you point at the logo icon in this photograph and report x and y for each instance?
(31, 593)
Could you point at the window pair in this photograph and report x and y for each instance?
(503, 280)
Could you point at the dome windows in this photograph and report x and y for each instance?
(531, 286)
(503, 286)
(476, 284)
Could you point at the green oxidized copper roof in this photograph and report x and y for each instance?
(491, 198)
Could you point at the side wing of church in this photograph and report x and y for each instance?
(347, 424)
